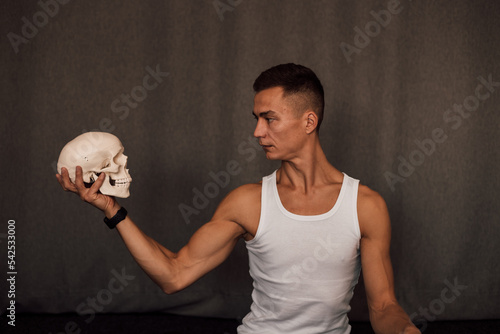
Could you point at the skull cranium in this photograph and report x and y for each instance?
(98, 152)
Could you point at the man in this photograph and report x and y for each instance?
(308, 227)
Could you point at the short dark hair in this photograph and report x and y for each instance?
(295, 80)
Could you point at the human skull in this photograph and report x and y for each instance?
(98, 152)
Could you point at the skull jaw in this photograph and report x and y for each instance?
(121, 192)
(116, 187)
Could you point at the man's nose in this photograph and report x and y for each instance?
(259, 130)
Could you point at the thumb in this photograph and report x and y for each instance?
(97, 184)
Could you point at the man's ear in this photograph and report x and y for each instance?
(311, 121)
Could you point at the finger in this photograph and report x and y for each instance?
(59, 179)
(79, 178)
(65, 181)
(97, 184)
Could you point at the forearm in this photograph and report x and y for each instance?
(392, 319)
(157, 261)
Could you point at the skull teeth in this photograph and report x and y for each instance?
(120, 182)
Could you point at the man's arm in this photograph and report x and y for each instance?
(386, 315)
(206, 249)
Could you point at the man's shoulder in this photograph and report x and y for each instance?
(369, 199)
(372, 211)
(242, 204)
(245, 195)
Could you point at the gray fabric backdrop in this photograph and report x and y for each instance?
(412, 94)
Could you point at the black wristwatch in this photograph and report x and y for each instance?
(116, 219)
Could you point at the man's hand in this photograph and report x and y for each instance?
(91, 195)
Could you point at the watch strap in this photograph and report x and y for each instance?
(116, 219)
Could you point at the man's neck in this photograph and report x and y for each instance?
(308, 170)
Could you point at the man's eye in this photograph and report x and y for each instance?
(269, 120)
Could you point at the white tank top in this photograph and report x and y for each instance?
(304, 268)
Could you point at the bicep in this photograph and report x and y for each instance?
(207, 248)
(215, 240)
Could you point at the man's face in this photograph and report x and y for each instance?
(281, 132)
